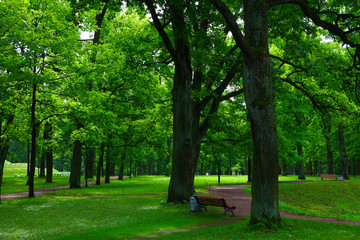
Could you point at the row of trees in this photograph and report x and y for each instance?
(230, 83)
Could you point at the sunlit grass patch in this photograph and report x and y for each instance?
(334, 199)
(291, 229)
(94, 217)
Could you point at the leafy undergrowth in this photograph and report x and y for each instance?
(291, 229)
(94, 217)
(339, 200)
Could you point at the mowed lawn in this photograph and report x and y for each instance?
(124, 217)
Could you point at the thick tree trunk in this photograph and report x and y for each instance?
(301, 162)
(283, 168)
(249, 169)
(168, 157)
(122, 165)
(181, 181)
(329, 157)
(130, 168)
(42, 165)
(49, 165)
(107, 168)
(343, 156)
(218, 170)
(28, 158)
(260, 104)
(33, 144)
(100, 165)
(3, 152)
(49, 153)
(90, 164)
(75, 175)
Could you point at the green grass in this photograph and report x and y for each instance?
(291, 229)
(141, 185)
(124, 217)
(326, 199)
(18, 184)
(94, 217)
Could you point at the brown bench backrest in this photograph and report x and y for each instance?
(211, 201)
(328, 175)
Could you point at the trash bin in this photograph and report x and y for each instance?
(341, 178)
(194, 206)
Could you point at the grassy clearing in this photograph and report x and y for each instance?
(18, 184)
(142, 185)
(94, 217)
(326, 199)
(291, 229)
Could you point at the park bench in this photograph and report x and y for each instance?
(308, 173)
(323, 176)
(204, 201)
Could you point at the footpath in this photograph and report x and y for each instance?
(235, 195)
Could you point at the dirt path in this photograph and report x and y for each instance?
(42, 191)
(235, 195)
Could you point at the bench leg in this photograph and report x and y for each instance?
(229, 210)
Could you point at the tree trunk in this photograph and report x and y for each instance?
(28, 158)
(283, 168)
(249, 169)
(3, 152)
(90, 164)
(260, 104)
(343, 156)
(218, 170)
(181, 181)
(100, 165)
(75, 175)
(107, 166)
(48, 153)
(130, 168)
(301, 162)
(42, 165)
(329, 157)
(316, 169)
(33, 143)
(168, 157)
(122, 165)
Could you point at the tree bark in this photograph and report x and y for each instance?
(3, 152)
(301, 174)
(249, 169)
(33, 143)
(75, 175)
(42, 165)
(122, 165)
(100, 165)
(90, 164)
(260, 104)
(48, 153)
(283, 168)
(181, 181)
(343, 156)
(107, 167)
(329, 157)
(168, 157)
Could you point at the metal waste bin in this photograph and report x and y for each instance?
(194, 206)
(341, 178)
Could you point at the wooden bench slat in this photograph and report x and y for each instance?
(204, 201)
(331, 176)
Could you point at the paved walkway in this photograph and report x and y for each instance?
(235, 195)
